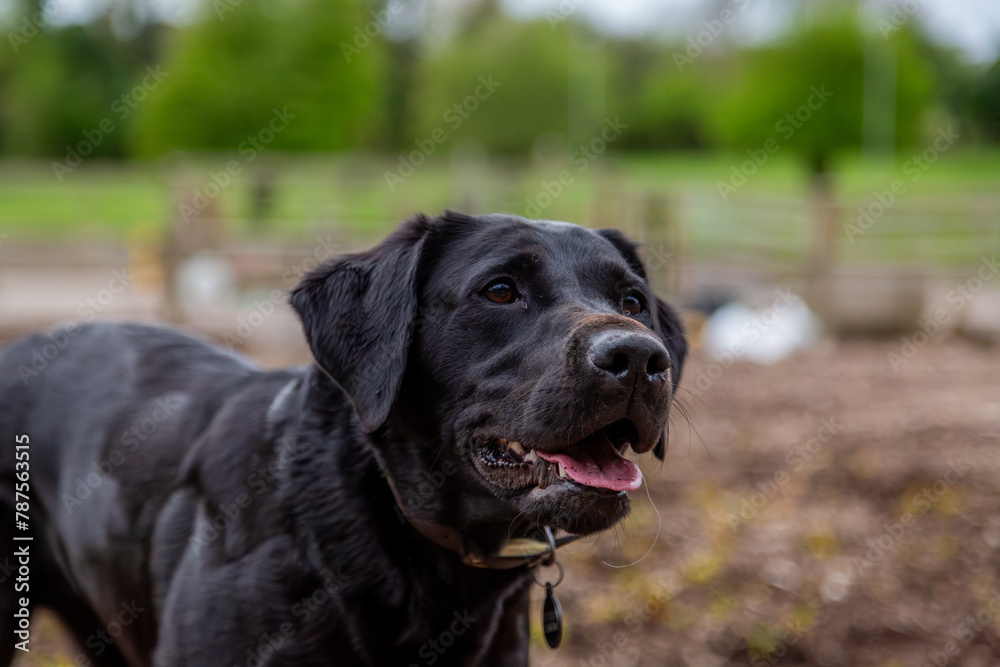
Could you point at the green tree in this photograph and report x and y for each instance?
(955, 82)
(986, 103)
(64, 82)
(538, 87)
(808, 95)
(666, 106)
(822, 63)
(319, 59)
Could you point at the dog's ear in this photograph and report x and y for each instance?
(626, 249)
(358, 313)
(666, 322)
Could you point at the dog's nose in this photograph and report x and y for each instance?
(630, 356)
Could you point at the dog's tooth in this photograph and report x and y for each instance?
(516, 447)
(561, 471)
(531, 456)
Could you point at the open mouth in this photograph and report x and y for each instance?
(595, 462)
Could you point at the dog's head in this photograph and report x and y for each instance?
(521, 358)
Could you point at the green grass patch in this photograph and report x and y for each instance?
(350, 193)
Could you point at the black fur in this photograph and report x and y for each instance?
(189, 509)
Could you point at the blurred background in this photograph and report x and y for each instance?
(816, 184)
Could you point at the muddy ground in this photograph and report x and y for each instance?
(826, 510)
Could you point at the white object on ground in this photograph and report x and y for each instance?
(762, 336)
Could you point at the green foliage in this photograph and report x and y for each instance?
(558, 81)
(542, 76)
(246, 58)
(916, 84)
(986, 103)
(666, 107)
(671, 111)
(776, 83)
(954, 82)
(61, 83)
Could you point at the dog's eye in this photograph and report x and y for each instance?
(501, 292)
(631, 305)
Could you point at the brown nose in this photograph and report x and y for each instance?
(630, 357)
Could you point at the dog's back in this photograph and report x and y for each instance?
(108, 413)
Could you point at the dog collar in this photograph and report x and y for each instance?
(524, 552)
(517, 552)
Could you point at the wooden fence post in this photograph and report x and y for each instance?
(662, 232)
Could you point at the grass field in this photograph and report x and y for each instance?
(112, 200)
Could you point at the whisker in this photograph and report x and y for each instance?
(693, 395)
(438, 453)
(659, 525)
(683, 409)
(510, 528)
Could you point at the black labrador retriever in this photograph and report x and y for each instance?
(476, 383)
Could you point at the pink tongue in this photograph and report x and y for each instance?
(600, 465)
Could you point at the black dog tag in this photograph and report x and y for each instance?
(552, 618)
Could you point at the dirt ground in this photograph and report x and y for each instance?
(825, 510)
